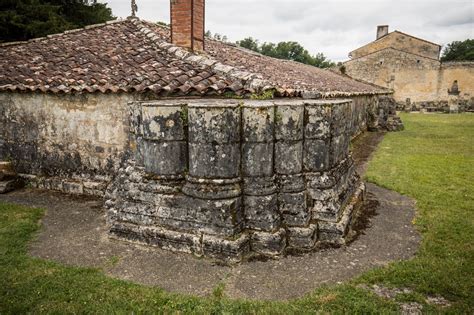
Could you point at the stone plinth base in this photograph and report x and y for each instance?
(166, 218)
(233, 179)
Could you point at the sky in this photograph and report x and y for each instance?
(333, 27)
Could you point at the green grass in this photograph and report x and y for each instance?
(432, 161)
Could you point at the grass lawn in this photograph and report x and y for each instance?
(431, 161)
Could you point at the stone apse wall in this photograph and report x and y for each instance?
(424, 81)
(228, 178)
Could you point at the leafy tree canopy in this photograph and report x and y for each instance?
(25, 19)
(459, 51)
(286, 50)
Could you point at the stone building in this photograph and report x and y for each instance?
(411, 67)
(196, 145)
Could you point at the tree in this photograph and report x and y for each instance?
(321, 61)
(25, 19)
(249, 43)
(459, 51)
(287, 50)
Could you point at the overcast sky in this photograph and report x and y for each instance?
(334, 27)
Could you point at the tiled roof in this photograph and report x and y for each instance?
(133, 55)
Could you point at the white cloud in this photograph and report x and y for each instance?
(333, 27)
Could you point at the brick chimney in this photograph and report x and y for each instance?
(187, 24)
(382, 30)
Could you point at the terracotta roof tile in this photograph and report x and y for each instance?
(133, 55)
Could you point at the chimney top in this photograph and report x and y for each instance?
(187, 23)
(382, 30)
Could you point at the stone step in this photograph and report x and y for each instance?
(4, 176)
(10, 185)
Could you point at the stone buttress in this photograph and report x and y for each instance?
(232, 178)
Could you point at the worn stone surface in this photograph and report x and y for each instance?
(8, 185)
(70, 137)
(256, 168)
(270, 244)
(9, 179)
(40, 133)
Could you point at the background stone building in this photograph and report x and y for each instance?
(411, 67)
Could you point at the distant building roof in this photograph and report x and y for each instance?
(136, 56)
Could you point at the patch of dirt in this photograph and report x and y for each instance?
(405, 308)
(438, 301)
(384, 292)
(363, 148)
(363, 219)
(73, 232)
(412, 308)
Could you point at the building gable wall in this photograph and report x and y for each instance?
(402, 42)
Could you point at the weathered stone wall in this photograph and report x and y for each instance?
(53, 137)
(401, 42)
(228, 178)
(364, 114)
(425, 82)
(74, 143)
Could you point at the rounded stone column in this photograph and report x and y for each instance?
(163, 146)
(317, 136)
(260, 198)
(214, 150)
(289, 121)
(330, 171)
(290, 154)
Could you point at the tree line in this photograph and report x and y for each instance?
(25, 19)
(288, 50)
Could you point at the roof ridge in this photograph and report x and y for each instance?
(87, 27)
(254, 81)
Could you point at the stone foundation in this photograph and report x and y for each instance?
(74, 185)
(228, 179)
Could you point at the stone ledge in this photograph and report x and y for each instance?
(335, 232)
(228, 250)
(73, 186)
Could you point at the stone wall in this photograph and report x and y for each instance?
(424, 82)
(364, 114)
(71, 143)
(402, 42)
(75, 143)
(227, 179)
